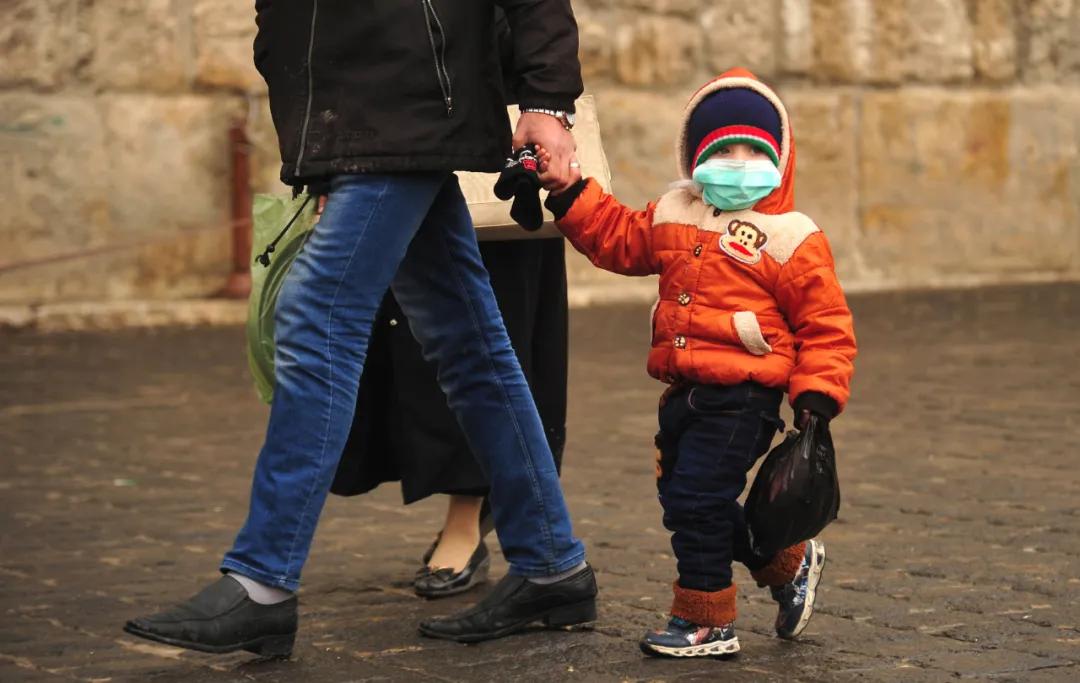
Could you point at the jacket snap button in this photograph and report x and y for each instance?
(697, 250)
(684, 298)
(393, 322)
(680, 342)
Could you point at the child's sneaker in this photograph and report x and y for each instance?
(796, 599)
(682, 638)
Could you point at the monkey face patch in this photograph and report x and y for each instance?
(743, 242)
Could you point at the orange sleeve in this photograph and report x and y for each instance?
(811, 299)
(612, 236)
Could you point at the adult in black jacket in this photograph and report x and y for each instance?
(411, 85)
(378, 103)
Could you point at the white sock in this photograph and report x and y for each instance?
(545, 580)
(260, 592)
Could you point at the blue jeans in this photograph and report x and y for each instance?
(411, 232)
(710, 436)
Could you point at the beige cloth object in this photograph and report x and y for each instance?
(491, 216)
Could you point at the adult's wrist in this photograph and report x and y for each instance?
(554, 102)
(564, 116)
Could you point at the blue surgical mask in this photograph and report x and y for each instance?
(733, 184)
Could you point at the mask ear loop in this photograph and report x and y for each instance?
(264, 258)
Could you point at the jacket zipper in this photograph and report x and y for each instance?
(438, 52)
(310, 89)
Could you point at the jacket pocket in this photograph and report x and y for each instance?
(748, 331)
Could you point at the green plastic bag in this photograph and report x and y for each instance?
(281, 225)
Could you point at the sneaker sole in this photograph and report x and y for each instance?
(720, 648)
(812, 580)
(265, 646)
(575, 614)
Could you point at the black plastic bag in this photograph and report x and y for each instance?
(796, 492)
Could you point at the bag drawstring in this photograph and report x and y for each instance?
(264, 258)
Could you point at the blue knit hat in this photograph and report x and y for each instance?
(730, 116)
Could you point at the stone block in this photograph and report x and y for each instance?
(170, 160)
(1050, 29)
(656, 50)
(178, 265)
(54, 166)
(265, 154)
(936, 36)
(971, 183)
(639, 129)
(796, 47)
(223, 38)
(891, 42)
(687, 8)
(994, 39)
(595, 44)
(826, 180)
(41, 42)
(841, 37)
(139, 45)
(738, 33)
(134, 188)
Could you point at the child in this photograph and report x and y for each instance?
(749, 307)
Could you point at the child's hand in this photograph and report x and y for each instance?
(545, 176)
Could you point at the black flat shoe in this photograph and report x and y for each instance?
(439, 583)
(487, 525)
(516, 602)
(222, 618)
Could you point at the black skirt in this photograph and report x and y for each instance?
(403, 429)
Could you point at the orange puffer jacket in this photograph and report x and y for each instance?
(744, 295)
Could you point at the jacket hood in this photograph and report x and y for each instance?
(780, 200)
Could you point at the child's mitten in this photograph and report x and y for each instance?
(817, 403)
(520, 179)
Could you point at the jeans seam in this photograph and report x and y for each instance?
(549, 541)
(330, 377)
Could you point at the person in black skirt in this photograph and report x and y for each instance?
(404, 431)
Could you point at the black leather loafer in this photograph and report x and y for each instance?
(439, 583)
(222, 618)
(516, 602)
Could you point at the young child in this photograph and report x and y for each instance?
(749, 307)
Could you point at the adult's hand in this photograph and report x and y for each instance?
(547, 131)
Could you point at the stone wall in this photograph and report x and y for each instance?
(938, 139)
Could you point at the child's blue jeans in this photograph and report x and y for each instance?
(411, 232)
(710, 437)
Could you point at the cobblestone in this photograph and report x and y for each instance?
(126, 456)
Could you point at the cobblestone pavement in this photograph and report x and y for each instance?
(125, 459)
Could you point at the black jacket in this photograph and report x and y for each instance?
(407, 85)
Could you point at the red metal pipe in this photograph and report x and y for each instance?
(238, 286)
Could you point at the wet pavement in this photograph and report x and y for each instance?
(125, 459)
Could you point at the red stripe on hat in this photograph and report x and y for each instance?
(751, 131)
